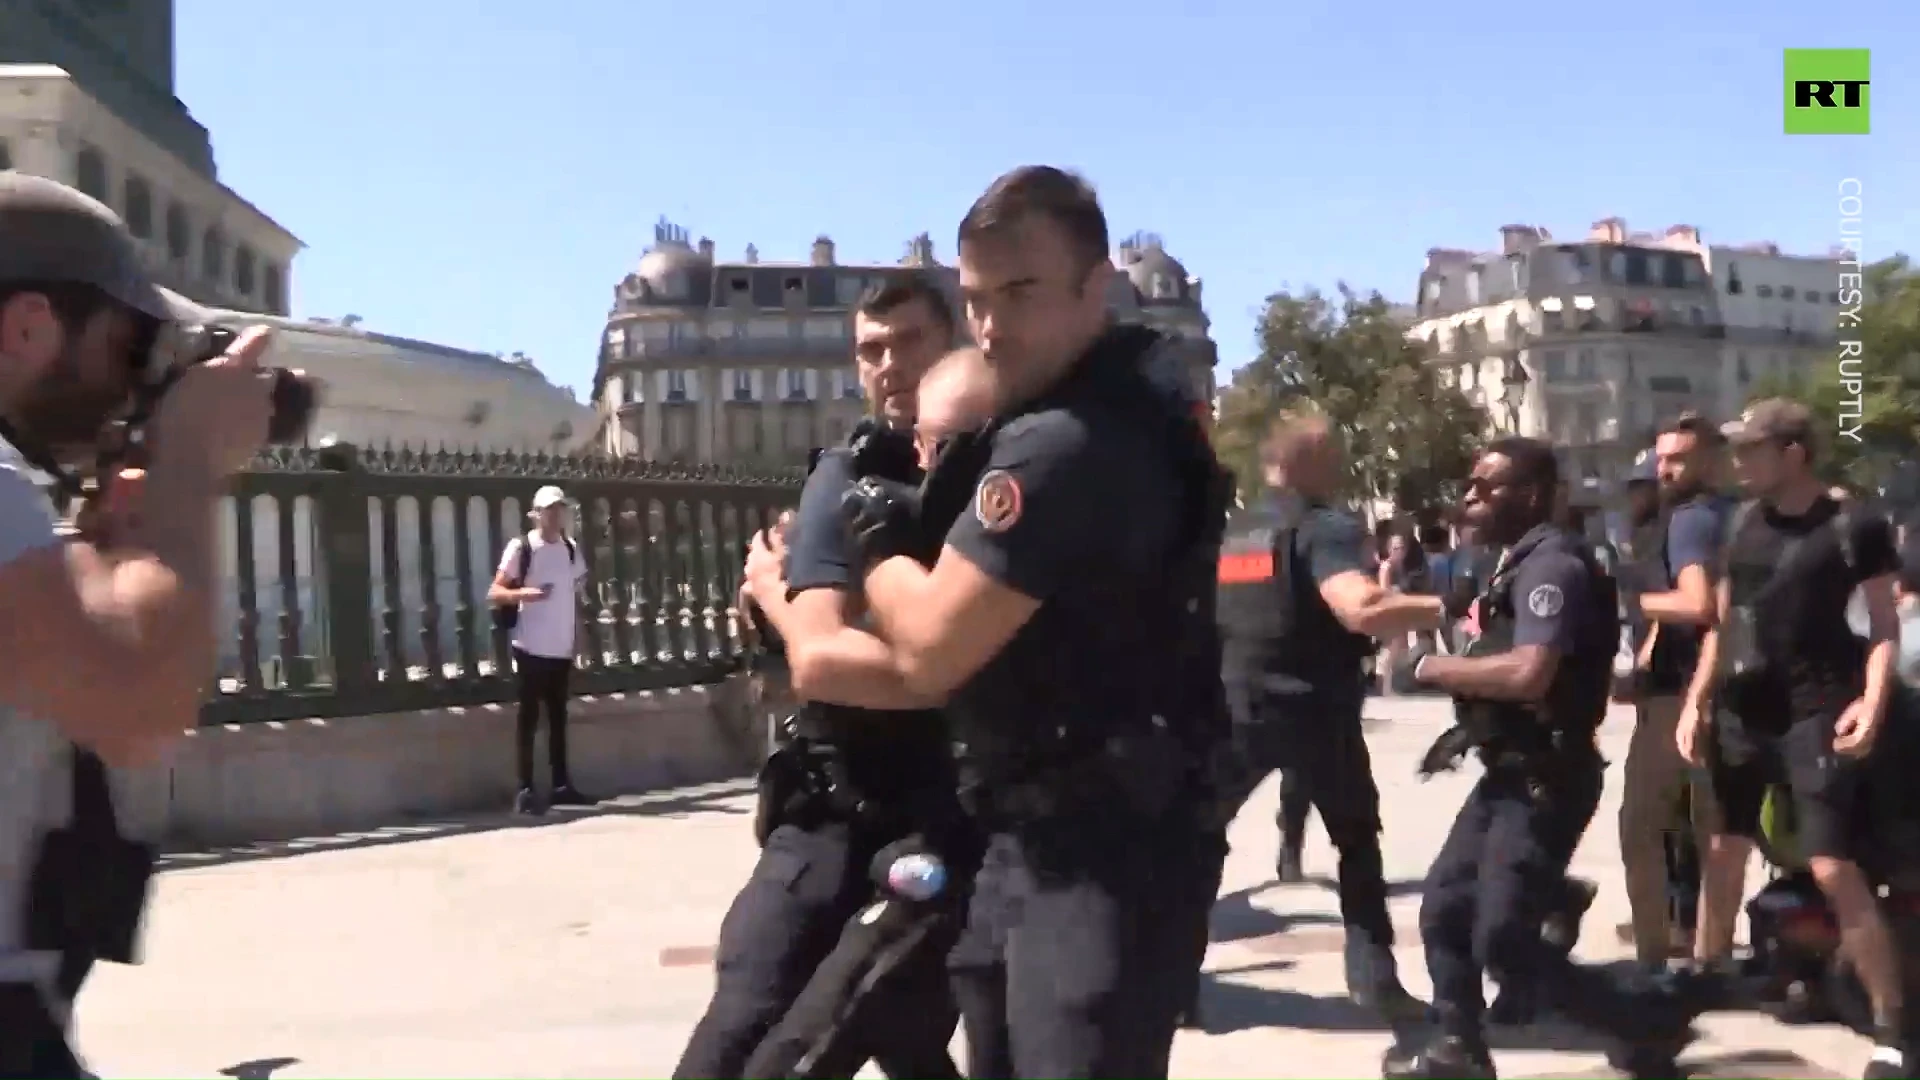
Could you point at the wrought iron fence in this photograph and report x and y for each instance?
(357, 578)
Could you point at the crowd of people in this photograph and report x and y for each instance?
(1045, 657)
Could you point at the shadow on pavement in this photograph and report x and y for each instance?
(711, 799)
(261, 1069)
(1235, 918)
(1395, 889)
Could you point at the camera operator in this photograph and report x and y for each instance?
(108, 636)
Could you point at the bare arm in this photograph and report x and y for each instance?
(1370, 608)
(832, 661)
(1707, 666)
(1883, 642)
(116, 648)
(1691, 602)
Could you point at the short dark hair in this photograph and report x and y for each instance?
(1533, 460)
(902, 287)
(1696, 425)
(1062, 197)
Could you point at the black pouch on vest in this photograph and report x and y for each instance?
(783, 787)
(1741, 659)
(89, 886)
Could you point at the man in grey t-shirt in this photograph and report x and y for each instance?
(107, 638)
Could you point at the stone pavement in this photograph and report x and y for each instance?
(581, 948)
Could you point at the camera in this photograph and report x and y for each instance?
(181, 348)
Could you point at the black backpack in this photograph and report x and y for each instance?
(507, 616)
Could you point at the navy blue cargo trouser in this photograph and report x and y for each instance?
(789, 916)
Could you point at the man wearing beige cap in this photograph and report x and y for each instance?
(1784, 691)
(535, 593)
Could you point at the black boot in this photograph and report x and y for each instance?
(1562, 927)
(1373, 982)
(1444, 1057)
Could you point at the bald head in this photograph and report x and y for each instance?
(958, 392)
(1302, 454)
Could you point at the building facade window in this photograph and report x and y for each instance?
(676, 386)
(213, 255)
(273, 289)
(179, 232)
(246, 270)
(90, 173)
(743, 385)
(6, 156)
(796, 384)
(139, 209)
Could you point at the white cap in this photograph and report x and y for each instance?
(548, 496)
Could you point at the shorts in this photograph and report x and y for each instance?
(1828, 788)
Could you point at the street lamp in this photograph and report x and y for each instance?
(1513, 391)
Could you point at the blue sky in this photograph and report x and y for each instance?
(481, 173)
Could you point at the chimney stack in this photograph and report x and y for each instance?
(753, 255)
(822, 251)
(1610, 230)
(706, 249)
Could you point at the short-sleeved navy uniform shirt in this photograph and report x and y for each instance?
(1078, 509)
(1694, 534)
(886, 753)
(1554, 589)
(1330, 543)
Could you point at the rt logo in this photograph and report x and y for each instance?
(1826, 92)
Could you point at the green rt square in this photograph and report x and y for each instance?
(1826, 91)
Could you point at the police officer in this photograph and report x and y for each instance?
(868, 764)
(1068, 623)
(1533, 692)
(111, 655)
(1298, 614)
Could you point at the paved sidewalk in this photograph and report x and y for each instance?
(580, 948)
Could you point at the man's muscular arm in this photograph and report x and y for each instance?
(1335, 544)
(1693, 550)
(804, 582)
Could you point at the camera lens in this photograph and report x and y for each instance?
(294, 399)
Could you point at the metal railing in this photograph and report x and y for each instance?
(356, 579)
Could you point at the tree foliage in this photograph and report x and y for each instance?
(1410, 437)
(1870, 402)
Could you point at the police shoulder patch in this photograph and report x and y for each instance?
(1546, 601)
(996, 502)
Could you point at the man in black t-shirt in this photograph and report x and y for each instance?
(1784, 691)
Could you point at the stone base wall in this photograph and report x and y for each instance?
(241, 783)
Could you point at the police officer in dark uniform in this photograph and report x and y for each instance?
(1298, 613)
(1532, 692)
(1068, 622)
(863, 767)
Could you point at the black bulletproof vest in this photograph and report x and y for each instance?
(1576, 702)
(888, 756)
(1273, 620)
(1021, 717)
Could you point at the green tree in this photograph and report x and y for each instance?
(1870, 398)
(1410, 437)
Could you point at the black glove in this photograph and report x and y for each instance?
(883, 516)
(885, 452)
(955, 476)
(1408, 663)
(1446, 752)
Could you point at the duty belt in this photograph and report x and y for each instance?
(1145, 774)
